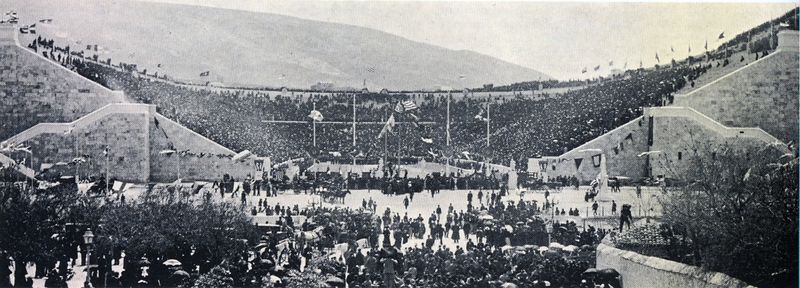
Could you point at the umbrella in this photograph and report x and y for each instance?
(274, 279)
(543, 248)
(509, 228)
(556, 245)
(180, 273)
(144, 262)
(310, 235)
(506, 248)
(590, 271)
(570, 248)
(486, 217)
(335, 281)
(172, 262)
(609, 273)
(508, 285)
(266, 262)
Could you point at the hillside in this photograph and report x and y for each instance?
(248, 48)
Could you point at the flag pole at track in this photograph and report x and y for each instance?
(314, 125)
(354, 121)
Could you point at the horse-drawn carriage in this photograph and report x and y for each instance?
(333, 191)
(402, 186)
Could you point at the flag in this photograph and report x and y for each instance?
(387, 128)
(167, 152)
(480, 115)
(671, 49)
(721, 35)
(204, 74)
(641, 64)
(658, 59)
(404, 106)
(584, 70)
(316, 116)
(597, 68)
(430, 151)
(706, 46)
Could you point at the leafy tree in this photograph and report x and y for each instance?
(163, 225)
(29, 218)
(739, 210)
(218, 277)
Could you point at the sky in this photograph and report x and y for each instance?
(559, 39)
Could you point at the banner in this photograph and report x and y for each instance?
(259, 163)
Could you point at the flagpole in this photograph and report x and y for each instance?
(314, 125)
(106, 169)
(448, 118)
(447, 166)
(384, 141)
(354, 120)
(487, 125)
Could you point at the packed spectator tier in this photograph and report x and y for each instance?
(518, 127)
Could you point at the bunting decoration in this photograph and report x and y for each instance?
(596, 160)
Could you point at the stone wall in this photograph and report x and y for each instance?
(683, 135)
(35, 90)
(123, 134)
(203, 159)
(679, 133)
(651, 272)
(134, 143)
(762, 94)
(620, 148)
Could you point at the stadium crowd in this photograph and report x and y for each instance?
(519, 128)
